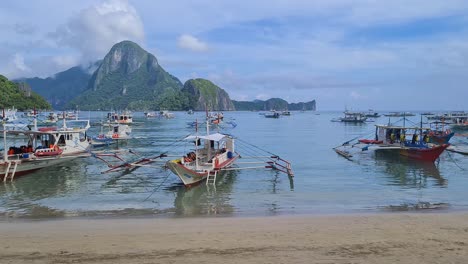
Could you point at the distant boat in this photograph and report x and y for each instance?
(459, 120)
(438, 134)
(120, 118)
(371, 114)
(427, 113)
(115, 133)
(351, 117)
(190, 112)
(9, 115)
(399, 114)
(166, 114)
(70, 115)
(286, 113)
(50, 119)
(272, 114)
(151, 114)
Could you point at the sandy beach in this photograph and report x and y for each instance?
(383, 238)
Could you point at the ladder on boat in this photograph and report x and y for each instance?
(10, 170)
(211, 179)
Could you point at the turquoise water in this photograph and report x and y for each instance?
(324, 182)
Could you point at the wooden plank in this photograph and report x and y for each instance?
(343, 153)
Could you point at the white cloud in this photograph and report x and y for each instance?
(15, 67)
(262, 96)
(356, 95)
(42, 66)
(65, 61)
(190, 42)
(95, 29)
(18, 62)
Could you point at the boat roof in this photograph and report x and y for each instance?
(34, 132)
(213, 137)
(401, 127)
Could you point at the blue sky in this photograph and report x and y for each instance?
(400, 55)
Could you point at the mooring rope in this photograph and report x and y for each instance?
(453, 160)
(157, 187)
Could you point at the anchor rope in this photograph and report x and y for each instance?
(453, 160)
(157, 187)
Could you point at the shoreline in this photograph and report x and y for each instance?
(169, 215)
(425, 237)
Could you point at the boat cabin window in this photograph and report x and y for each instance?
(82, 136)
(61, 141)
(46, 140)
(116, 129)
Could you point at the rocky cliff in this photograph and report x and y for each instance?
(128, 77)
(203, 93)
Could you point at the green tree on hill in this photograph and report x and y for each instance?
(20, 96)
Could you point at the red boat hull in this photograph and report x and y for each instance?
(48, 153)
(424, 154)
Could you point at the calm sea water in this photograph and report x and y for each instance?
(324, 182)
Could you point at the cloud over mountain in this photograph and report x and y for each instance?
(96, 28)
(190, 42)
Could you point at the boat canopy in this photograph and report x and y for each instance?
(214, 137)
(401, 127)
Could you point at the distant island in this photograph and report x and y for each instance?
(131, 78)
(273, 104)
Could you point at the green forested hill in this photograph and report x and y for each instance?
(129, 77)
(20, 96)
(203, 93)
(63, 86)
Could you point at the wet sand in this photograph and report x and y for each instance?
(383, 238)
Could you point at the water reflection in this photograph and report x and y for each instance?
(23, 194)
(205, 200)
(409, 173)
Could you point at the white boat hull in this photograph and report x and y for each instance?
(189, 176)
(30, 165)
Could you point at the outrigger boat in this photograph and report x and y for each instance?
(371, 114)
(272, 114)
(166, 114)
(124, 118)
(438, 134)
(393, 138)
(351, 117)
(50, 119)
(151, 114)
(212, 154)
(116, 132)
(43, 147)
(216, 154)
(399, 114)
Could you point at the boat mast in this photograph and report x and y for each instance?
(35, 119)
(5, 153)
(420, 131)
(64, 121)
(196, 144)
